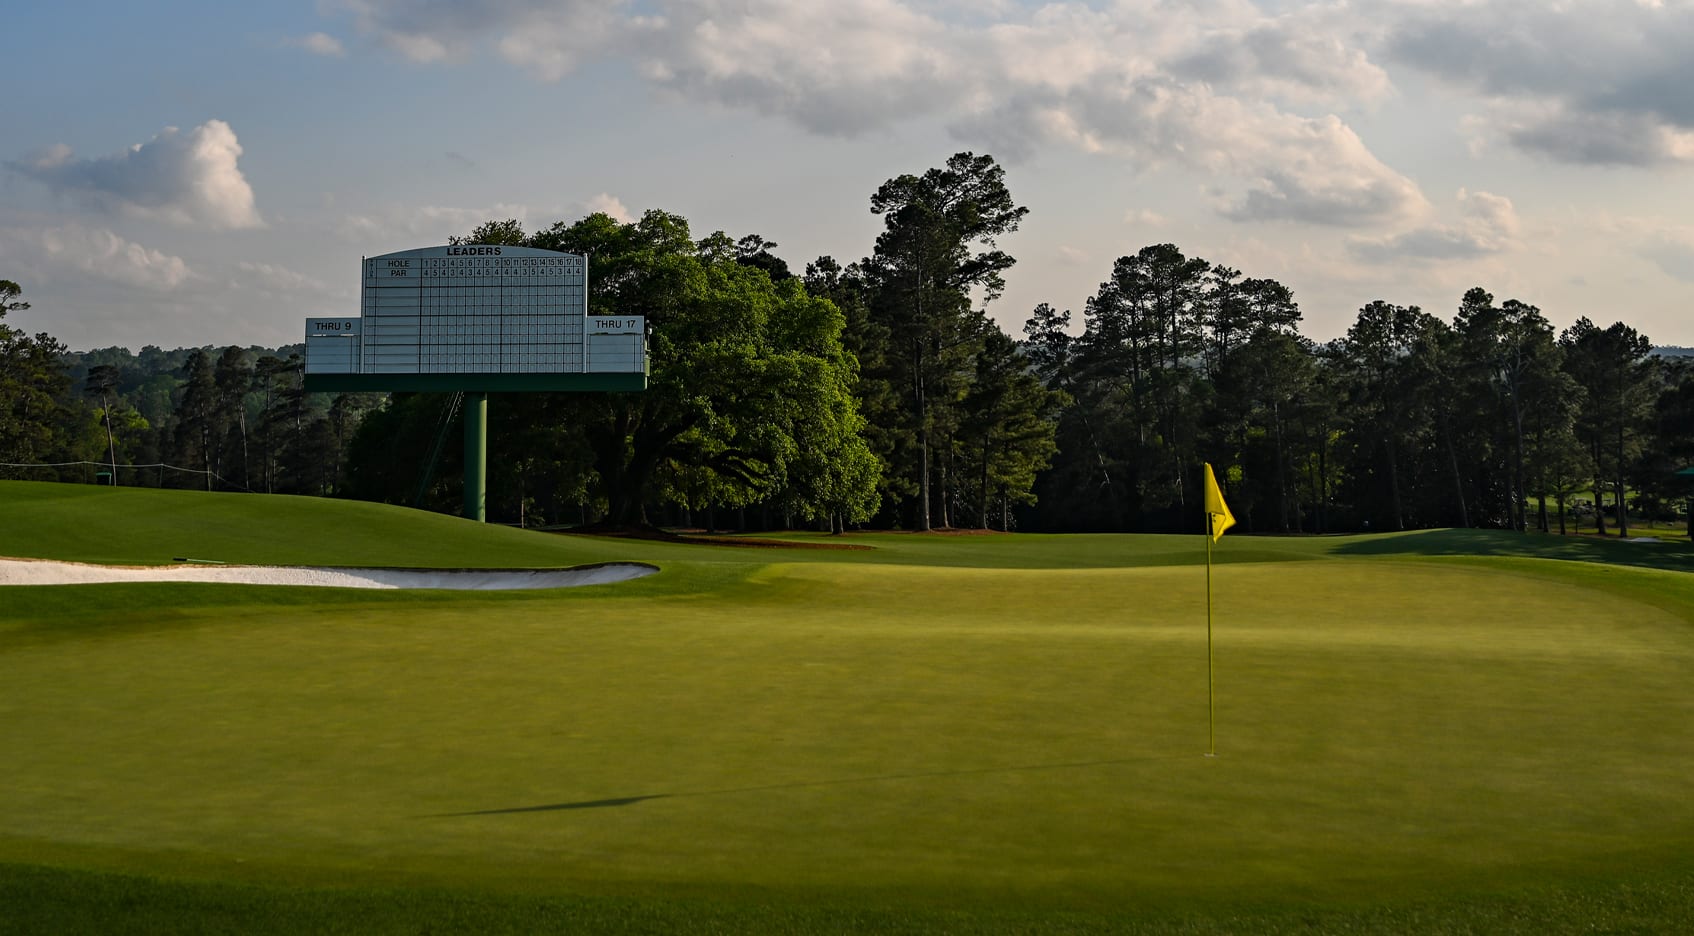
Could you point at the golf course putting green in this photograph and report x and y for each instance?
(963, 734)
(47, 572)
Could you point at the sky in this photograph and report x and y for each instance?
(210, 173)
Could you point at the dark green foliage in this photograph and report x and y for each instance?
(938, 246)
(40, 420)
(749, 398)
(1615, 374)
(882, 392)
(1405, 422)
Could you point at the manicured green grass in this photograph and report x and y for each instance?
(977, 733)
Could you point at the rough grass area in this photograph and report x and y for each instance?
(1431, 732)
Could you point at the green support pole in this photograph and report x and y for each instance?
(476, 456)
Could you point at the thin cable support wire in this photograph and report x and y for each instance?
(69, 464)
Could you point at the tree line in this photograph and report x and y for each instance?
(881, 393)
(230, 419)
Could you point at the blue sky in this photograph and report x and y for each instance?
(210, 173)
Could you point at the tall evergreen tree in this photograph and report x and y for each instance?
(1612, 367)
(39, 420)
(938, 248)
(195, 425)
(1006, 431)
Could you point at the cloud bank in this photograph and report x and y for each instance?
(1489, 226)
(186, 178)
(1590, 82)
(77, 252)
(1222, 87)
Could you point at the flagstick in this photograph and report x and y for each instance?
(1211, 695)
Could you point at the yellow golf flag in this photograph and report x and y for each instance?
(1221, 518)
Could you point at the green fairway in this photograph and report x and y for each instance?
(969, 732)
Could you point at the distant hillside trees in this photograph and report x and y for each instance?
(229, 419)
(882, 393)
(41, 420)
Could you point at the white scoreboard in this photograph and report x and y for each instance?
(476, 310)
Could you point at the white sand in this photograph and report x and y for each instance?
(44, 572)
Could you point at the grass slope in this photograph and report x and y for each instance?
(965, 733)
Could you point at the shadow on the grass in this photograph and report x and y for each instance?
(1676, 557)
(554, 807)
(631, 800)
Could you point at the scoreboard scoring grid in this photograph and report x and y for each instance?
(475, 309)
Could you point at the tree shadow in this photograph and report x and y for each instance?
(1675, 557)
(802, 784)
(555, 807)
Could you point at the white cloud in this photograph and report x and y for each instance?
(1071, 256)
(1306, 55)
(1145, 217)
(549, 39)
(1671, 249)
(608, 205)
(319, 44)
(271, 277)
(1313, 170)
(1489, 226)
(72, 251)
(839, 68)
(433, 224)
(185, 178)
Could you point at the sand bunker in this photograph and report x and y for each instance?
(42, 572)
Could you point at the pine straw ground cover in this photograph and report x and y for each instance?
(1434, 732)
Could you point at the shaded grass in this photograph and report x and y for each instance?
(40, 900)
(86, 523)
(1657, 555)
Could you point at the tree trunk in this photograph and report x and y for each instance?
(941, 504)
(923, 439)
(1599, 493)
(1281, 475)
(111, 446)
(1394, 486)
(206, 451)
(1323, 480)
(1519, 493)
(1458, 481)
(1623, 508)
(246, 481)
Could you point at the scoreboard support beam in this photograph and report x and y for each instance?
(476, 456)
(475, 319)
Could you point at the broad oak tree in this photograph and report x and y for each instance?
(750, 392)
